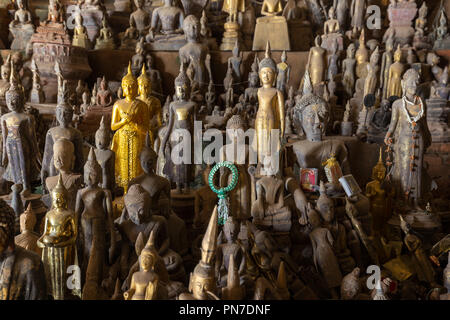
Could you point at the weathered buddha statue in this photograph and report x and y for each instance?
(63, 159)
(202, 281)
(410, 137)
(104, 95)
(386, 62)
(130, 37)
(357, 12)
(56, 12)
(394, 87)
(441, 89)
(325, 260)
(95, 212)
(160, 137)
(5, 76)
(317, 64)
(182, 114)
(231, 248)
(105, 156)
(93, 101)
(138, 59)
(158, 188)
(167, 22)
(270, 114)
(27, 238)
(130, 121)
(332, 32)
(371, 81)
(196, 52)
(20, 153)
(155, 77)
(251, 92)
(64, 115)
(105, 39)
(21, 27)
(146, 283)
(22, 274)
(348, 70)
(283, 74)
(58, 243)
(269, 211)
(422, 263)
(362, 57)
(37, 94)
(85, 103)
(80, 36)
(204, 203)
(236, 61)
(153, 103)
(141, 18)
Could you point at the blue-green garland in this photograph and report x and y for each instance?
(223, 206)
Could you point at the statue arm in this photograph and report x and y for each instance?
(116, 121)
(130, 292)
(281, 112)
(393, 124)
(383, 66)
(155, 20)
(40, 244)
(264, 11)
(33, 139)
(243, 262)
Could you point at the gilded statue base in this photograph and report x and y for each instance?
(274, 30)
(230, 36)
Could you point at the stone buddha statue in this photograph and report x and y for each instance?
(153, 103)
(167, 23)
(270, 114)
(21, 27)
(58, 242)
(104, 95)
(105, 38)
(131, 122)
(5, 76)
(105, 156)
(20, 153)
(22, 275)
(332, 32)
(140, 18)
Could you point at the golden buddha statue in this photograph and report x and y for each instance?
(80, 36)
(332, 24)
(362, 57)
(131, 121)
(271, 8)
(270, 114)
(27, 238)
(58, 242)
(153, 103)
(394, 81)
(202, 282)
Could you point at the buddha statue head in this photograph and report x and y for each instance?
(144, 83)
(182, 85)
(6, 69)
(92, 170)
(231, 229)
(149, 255)
(410, 81)
(191, 28)
(139, 3)
(14, 95)
(63, 155)
(202, 281)
(130, 85)
(312, 115)
(398, 54)
(325, 205)
(59, 195)
(7, 226)
(331, 12)
(234, 126)
(137, 203)
(375, 56)
(102, 136)
(379, 170)
(267, 69)
(27, 219)
(148, 157)
(64, 114)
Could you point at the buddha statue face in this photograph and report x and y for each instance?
(130, 89)
(231, 230)
(181, 92)
(14, 101)
(378, 173)
(63, 155)
(145, 88)
(137, 205)
(198, 285)
(139, 3)
(148, 160)
(267, 76)
(20, 4)
(253, 81)
(314, 121)
(59, 200)
(91, 176)
(64, 114)
(146, 260)
(191, 28)
(409, 83)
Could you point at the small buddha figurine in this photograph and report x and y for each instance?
(182, 113)
(63, 158)
(362, 57)
(195, 52)
(146, 283)
(64, 115)
(80, 36)
(138, 59)
(105, 38)
(153, 103)
(357, 12)
(229, 249)
(140, 18)
(332, 62)
(283, 73)
(441, 31)
(37, 94)
(167, 22)
(386, 62)
(130, 36)
(332, 24)
(22, 275)
(21, 27)
(104, 95)
(155, 77)
(20, 153)
(441, 89)
(394, 87)
(94, 95)
(130, 121)
(233, 8)
(202, 281)
(233, 290)
(5, 76)
(316, 64)
(27, 238)
(424, 269)
(85, 103)
(94, 209)
(58, 242)
(235, 61)
(325, 260)
(105, 156)
(371, 81)
(270, 113)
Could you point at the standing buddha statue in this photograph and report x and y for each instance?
(130, 121)
(395, 73)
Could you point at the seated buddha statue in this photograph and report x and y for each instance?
(105, 38)
(21, 27)
(167, 23)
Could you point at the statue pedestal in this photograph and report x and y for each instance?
(50, 44)
(230, 36)
(438, 114)
(400, 23)
(22, 34)
(92, 20)
(274, 30)
(300, 35)
(183, 205)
